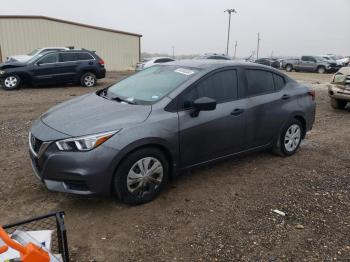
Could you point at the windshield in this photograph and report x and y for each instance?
(34, 52)
(151, 84)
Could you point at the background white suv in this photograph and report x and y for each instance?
(25, 58)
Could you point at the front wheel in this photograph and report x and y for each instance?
(321, 70)
(289, 68)
(290, 139)
(12, 82)
(141, 176)
(338, 104)
(88, 79)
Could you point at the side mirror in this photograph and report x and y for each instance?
(203, 104)
(39, 63)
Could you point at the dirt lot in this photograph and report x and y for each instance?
(217, 213)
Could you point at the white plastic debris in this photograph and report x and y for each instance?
(281, 213)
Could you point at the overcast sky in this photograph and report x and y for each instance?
(287, 27)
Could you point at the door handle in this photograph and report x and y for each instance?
(237, 112)
(285, 97)
(91, 63)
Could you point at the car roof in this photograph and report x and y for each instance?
(54, 47)
(70, 51)
(212, 64)
(160, 57)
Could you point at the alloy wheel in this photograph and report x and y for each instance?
(89, 81)
(145, 176)
(292, 138)
(10, 81)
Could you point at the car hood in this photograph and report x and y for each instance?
(12, 65)
(91, 114)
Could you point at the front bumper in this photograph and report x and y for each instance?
(332, 69)
(339, 92)
(84, 173)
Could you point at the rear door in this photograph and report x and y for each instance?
(68, 67)
(213, 133)
(265, 99)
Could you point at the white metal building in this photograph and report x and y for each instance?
(22, 34)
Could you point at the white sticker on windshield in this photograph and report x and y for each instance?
(184, 71)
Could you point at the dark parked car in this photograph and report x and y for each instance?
(56, 67)
(129, 138)
(269, 62)
(214, 56)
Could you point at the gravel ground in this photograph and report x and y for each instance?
(221, 212)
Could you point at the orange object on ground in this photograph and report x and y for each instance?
(29, 253)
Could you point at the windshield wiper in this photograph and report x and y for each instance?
(104, 94)
(119, 99)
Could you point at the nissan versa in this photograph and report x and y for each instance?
(129, 138)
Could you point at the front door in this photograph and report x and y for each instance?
(44, 71)
(212, 134)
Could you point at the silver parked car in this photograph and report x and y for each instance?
(148, 62)
(129, 138)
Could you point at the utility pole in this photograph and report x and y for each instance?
(173, 52)
(229, 11)
(257, 48)
(235, 50)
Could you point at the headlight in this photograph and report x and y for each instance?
(84, 143)
(2, 72)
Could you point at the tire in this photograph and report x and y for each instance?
(289, 68)
(281, 147)
(11, 82)
(130, 186)
(88, 79)
(321, 70)
(338, 104)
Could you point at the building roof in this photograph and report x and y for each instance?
(67, 22)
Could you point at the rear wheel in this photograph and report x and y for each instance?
(338, 104)
(321, 70)
(12, 82)
(289, 68)
(88, 79)
(141, 176)
(289, 139)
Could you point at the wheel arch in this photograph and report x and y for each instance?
(149, 143)
(302, 120)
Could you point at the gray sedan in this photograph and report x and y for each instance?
(130, 138)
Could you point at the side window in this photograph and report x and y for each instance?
(48, 59)
(259, 82)
(68, 57)
(279, 82)
(221, 86)
(84, 56)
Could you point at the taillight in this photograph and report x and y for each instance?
(101, 62)
(312, 93)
